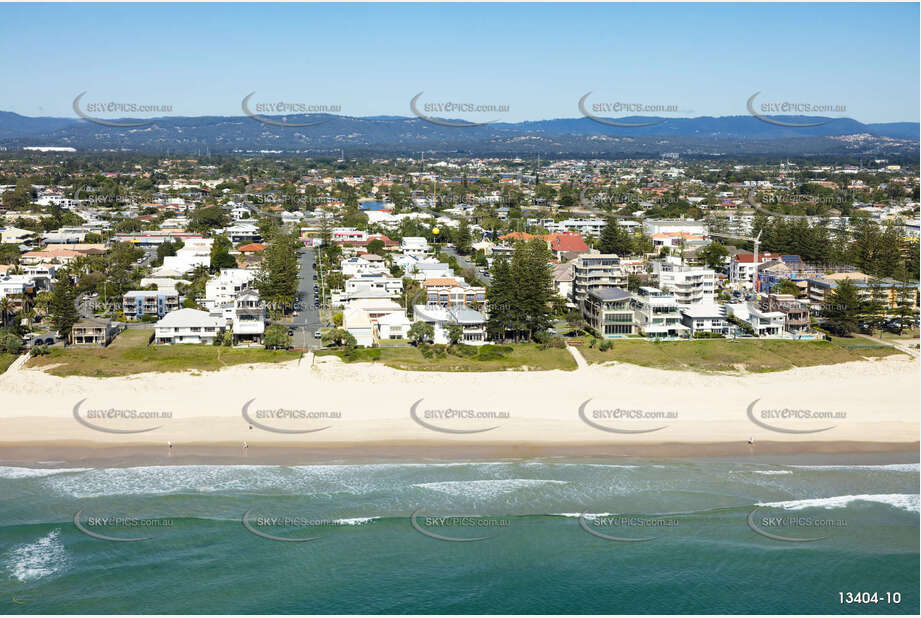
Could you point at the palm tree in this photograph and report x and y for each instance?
(6, 308)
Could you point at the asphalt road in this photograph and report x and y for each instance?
(307, 321)
(463, 262)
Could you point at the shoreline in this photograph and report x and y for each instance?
(50, 454)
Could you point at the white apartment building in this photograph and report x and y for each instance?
(348, 234)
(586, 227)
(242, 233)
(656, 313)
(691, 286)
(248, 318)
(362, 266)
(377, 284)
(594, 271)
(675, 226)
(414, 245)
(195, 252)
(225, 287)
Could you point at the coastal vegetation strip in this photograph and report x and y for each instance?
(427, 357)
(130, 354)
(725, 355)
(6, 359)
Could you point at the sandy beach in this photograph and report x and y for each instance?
(330, 410)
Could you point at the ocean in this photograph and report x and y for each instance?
(523, 536)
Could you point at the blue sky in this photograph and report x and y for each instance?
(538, 59)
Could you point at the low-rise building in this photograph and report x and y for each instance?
(472, 322)
(358, 323)
(415, 245)
(450, 292)
(138, 303)
(93, 331)
(188, 326)
(763, 323)
(705, 318)
(796, 312)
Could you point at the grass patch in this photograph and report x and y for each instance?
(464, 358)
(723, 355)
(6, 360)
(130, 354)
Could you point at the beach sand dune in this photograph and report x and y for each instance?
(348, 407)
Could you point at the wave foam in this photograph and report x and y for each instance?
(908, 502)
(485, 488)
(44, 557)
(9, 472)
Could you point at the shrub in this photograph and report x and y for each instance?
(605, 345)
(488, 355)
(462, 349)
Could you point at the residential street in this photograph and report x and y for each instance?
(308, 319)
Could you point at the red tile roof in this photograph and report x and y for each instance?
(567, 242)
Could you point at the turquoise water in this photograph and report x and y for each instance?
(537, 558)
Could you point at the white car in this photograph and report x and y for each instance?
(317, 334)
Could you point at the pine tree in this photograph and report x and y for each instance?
(63, 309)
(842, 307)
(615, 239)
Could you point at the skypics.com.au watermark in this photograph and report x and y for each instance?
(792, 528)
(288, 420)
(256, 111)
(612, 527)
(454, 528)
(593, 111)
(119, 420)
(616, 419)
(108, 527)
(761, 111)
(290, 528)
(456, 420)
(98, 111)
(793, 420)
(454, 108)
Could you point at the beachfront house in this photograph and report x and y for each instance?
(796, 312)
(188, 326)
(472, 322)
(705, 318)
(93, 331)
(763, 323)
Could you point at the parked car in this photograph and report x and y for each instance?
(317, 334)
(290, 332)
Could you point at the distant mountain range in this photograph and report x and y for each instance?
(390, 135)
